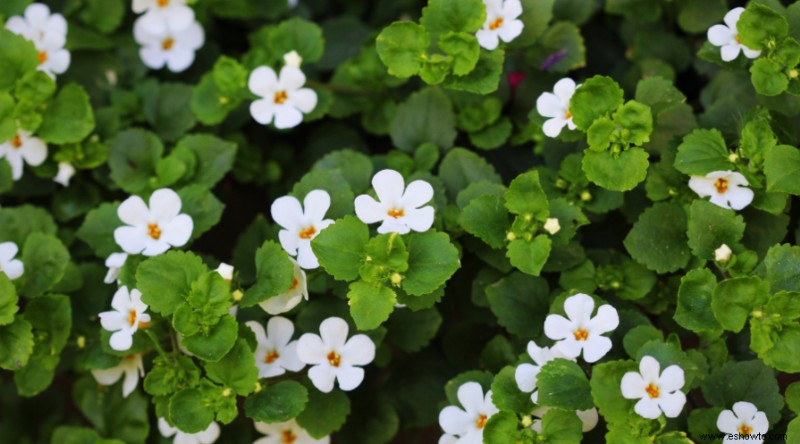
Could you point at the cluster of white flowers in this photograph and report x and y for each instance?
(168, 34)
(283, 98)
(21, 149)
(727, 38)
(13, 268)
(502, 23)
(48, 32)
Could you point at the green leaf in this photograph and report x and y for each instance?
(636, 121)
(506, 394)
(460, 167)
(760, 24)
(464, 49)
(782, 167)
(711, 226)
(17, 57)
(189, 411)
(214, 158)
(325, 413)
(51, 318)
(520, 302)
(8, 300)
(427, 116)
(774, 332)
(485, 78)
(166, 280)
(750, 381)
(114, 416)
(658, 239)
(98, 228)
(562, 39)
(385, 255)
(170, 375)
(597, 96)
(526, 197)
(16, 344)
(783, 267)
(402, 48)
(411, 331)
(442, 16)
(658, 93)
(355, 167)
(132, 157)
(236, 370)
(167, 108)
(529, 256)
(215, 344)
(702, 152)
(605, 383)
(432, 260)
(559, 426)
(45, 259)
(17, 223)
(274, 274)
(536, 15)
(370, 304)
(502, 428)
(486, 218)
(616, 172)
(69, 118)
(635, 10)
(299, 35)
(694, 301)
(204, 208)
(734, 299)
(768, 78)
(277, 403)
(340, 247)
(562, 383)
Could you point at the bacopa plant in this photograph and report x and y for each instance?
(399, 221)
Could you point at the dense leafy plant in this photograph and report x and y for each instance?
(488, 221)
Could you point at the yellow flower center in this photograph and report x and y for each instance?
(132, 318)
(281, 97)
(168, 43)
(163, 3)
(498, 22)
(308, 233)
(745, 429)
(738, 39)
(295, 282)
(154, 231)
(334, 359)
(395, 213)
(481, 421)
(42, 57)
(721, 185)
(652, 391)
(580, 334)
(287, 437)
(16, 142)
(568, 115)
(271, 357)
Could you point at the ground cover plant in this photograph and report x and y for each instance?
(407, 221)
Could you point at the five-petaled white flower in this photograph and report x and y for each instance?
(131, 366)
(744, 420)
(162, 14)
(723, 253)
(589, 418)
(293, 59)
(286, 432)
(656, 391)
(526, 374)
(65, 173)
(502, 23)
(173, 48)
(582, 332)
(22, 149)
(291, 297)
(153, 230)
(207, 436)
(301, 224)
(48, 33)
(727, 37)
(13, 268)
(399, 206)
(726, 188)
(114, 263)
(276, 352)
(555, 105)
(128, 317)
(283, 98)
(467, 422)
(334, 357)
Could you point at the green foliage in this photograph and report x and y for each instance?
(563, 384)
(277, 403)
(658, 238)
(274, 274)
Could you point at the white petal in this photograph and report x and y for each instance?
(389, 186)
(165, 205)
(263, 111)
(305, 255)
(107, 376)
(132, 240)
(595, 348)
(153, 57)
(121, 340)
(18, 25)
(322, 376)
(589, 418)
(392, 225)
(316, 204)
(633, 386)
(349, 377)
(606, 320)
(454, 421)
(526, 375)
(180, 17)
(510, 30)
(672, 403)
(280, 331)
(744, 410)
(287, 116)
(7, 251)
(209, 435)
(557, 327)
(130, 381)
(564, 90)
(287, 212)
(751, 53)
(720, 200)
(721, 35)
(178, 232)
(727, 422)
(155, 247)
(37, 15)
(258, 331)
(671, 379)
(359, 350)
(263, 82)
(179, 59)
(289, 358)
(732, 17)
(334, 332)
(17, 165)
(487, 39)
(165, 429)
(419, 220)
(552, 127)
(470, 395)
(14, 269)
(549, 105)
(154, 22)
(512, 9)
(647, 408)
(760, 424)
(34, 151)
(303, 99)
(739, 197)
(133, 211)
(730, 52)
(311, 349)
(417, 194)
(650, 369)
(579, 309)
(368, 209)
(113, 320)
(291, 78)
(289, 241)
(702, 186)
(281, 304)
(59, 61)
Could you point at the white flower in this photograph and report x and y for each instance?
(333, 356)
(65, 173)
(467, 423)
(128, 316)
(114, 262)
(526, 374)
(723, 253)
(301, 226)
(502, 23)
(174, 48)
(226, 271)
(589, 418)
(552, 226)
(656, 391)
(727, 37)
(22, 149)
(291, 297)
(399, 207)
(283, 99)
(286, 432)
(13, 268)
(207, 436)
(726, 188)
(448, 439)
(48, 32)
(153, 230)
(162, 14)
(292, 59)
(582, 332)
(131, 366)
(744, 420)
(556, 106)
(276, 352)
